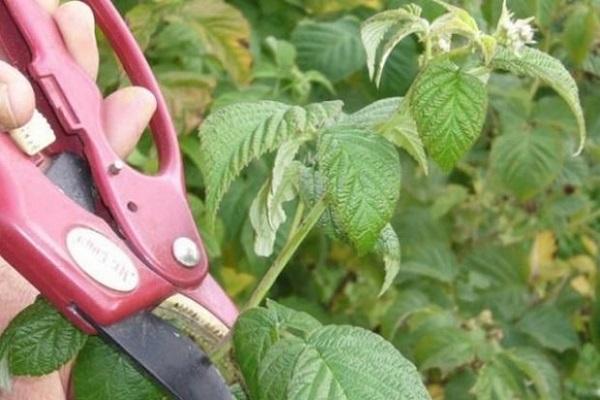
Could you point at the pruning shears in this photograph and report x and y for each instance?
(100, 240)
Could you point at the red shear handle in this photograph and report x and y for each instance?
(138, 69)
(150, 211)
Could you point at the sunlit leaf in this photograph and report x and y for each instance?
(449, 107)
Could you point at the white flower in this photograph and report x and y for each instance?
(444, 42)
(514, 33)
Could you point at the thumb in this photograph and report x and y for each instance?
(17, 100)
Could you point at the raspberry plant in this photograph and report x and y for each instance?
(480, 255)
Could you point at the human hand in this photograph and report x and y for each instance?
(126, 113)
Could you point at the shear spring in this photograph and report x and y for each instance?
(35, 135)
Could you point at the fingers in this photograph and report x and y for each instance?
(75, 21)
(49, 5)
(17, 99)
(126, 113)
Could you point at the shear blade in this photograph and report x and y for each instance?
(171, 358)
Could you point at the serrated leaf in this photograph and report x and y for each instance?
(433, 260)
(221, 29)
(224, 32)
(312, 189)
(390, 119)
(238, 392)
(497, 380)
(101, 373)
(536, 64)
(456, 21)
(321, 46)
(406, 303)
(581, 29)
(538, 368)
(258, 329)
(338, 362)
(402, 131)
(549, 327)
(39, 340)
(373, 115)
(5, 381)
(388, 246)
(266, 212)
(187, 94)
(449, 107)
(235, 135)
(445, 349)
(526, 163)
(384, 31)
(362, 181)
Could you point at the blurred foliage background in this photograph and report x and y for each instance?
(498, 289)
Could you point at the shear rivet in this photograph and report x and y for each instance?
(186, 252)
(116, 167)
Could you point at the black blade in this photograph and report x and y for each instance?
(72, 175)
(171, 358)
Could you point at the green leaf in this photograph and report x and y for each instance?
(258, 329)
(267, 213)
(342, 362)
(102, 373)
(452, 196)
(549, 327)
(39, 340)
(328, 362)
(384, 31)
(373, 115)
(445, 349)
(362, 180)
(390, 118)
(527, 162)
(497, 380)
(235, 135)
(449, 107)
(456, 21)
(538, 368)
(238, 392)
(323, 45)
(433, 260)
(580, 31)
(5, 381)
(584, 378)
(536, 64)
(388, 246)
(406, 303)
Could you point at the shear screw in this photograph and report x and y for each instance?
(186, 252)
(116, 167)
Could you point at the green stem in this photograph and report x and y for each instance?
(298, 233)
(297, 236)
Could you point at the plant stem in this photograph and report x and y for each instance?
(298, 233)
(297, 236)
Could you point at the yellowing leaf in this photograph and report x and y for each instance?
(584, 264)
(590, 245)
(224, 31)
(542, 254)
(235, 281)
(332, 6)
(436, 391)
(582, 285)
